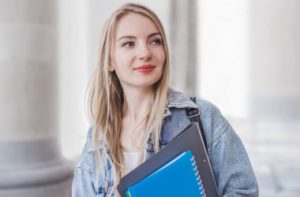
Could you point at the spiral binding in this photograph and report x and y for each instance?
(198, 178)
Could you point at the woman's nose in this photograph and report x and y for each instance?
(144, 51)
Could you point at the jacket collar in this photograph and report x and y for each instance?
(177, 99)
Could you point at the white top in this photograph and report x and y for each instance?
(131, 160)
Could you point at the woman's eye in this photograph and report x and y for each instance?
(128, 44)
(156, 41)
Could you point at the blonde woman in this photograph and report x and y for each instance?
(134, 112)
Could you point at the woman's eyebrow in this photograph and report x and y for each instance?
(154, 34)
(133, 37)
(128, 37)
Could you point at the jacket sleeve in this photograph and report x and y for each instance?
(230, 163)
(84, 174)
(82, 183)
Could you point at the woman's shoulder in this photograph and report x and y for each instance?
(209, 109)
(213, 121)
(90, 140)
(179, 99)
(86, 159)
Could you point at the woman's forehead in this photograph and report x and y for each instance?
(135, 24)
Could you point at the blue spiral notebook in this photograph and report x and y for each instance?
(164, 161)
(177, 178)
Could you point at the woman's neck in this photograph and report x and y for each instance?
(137, 103)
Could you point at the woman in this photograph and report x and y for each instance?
(134, 112)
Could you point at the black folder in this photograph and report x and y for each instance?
(189, 139)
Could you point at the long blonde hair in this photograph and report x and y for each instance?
(105, 97)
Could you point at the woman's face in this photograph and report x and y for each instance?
(137, 54)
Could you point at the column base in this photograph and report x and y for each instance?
(59, 189)
(53, 180)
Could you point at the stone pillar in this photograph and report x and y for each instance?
(30, 159)
(274, 60)
(183, 25)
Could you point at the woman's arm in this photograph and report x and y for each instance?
(84, 173)
(82, 183)
(231, 166)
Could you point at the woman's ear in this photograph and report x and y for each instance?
(111, 68)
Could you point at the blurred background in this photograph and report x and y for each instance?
(242, 55)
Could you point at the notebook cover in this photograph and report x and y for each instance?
(177, 178)
(189, 139)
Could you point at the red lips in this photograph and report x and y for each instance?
(144, 68)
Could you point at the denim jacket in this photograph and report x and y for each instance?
(230, 164)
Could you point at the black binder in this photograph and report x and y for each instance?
(189, 139)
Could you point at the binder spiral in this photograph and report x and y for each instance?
(198, 178)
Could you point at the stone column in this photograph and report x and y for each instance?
(30, 159)
(183, 25)
(274, 60)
